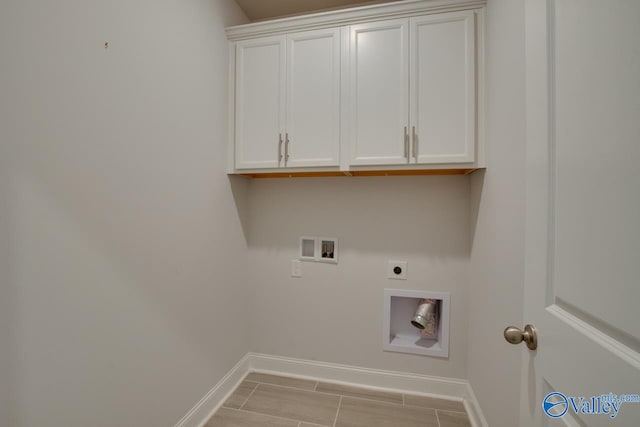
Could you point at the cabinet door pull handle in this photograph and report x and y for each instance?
(415, 143)
(279, 148)
(406, 142)
(286, 148)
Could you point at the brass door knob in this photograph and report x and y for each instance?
(514, 335)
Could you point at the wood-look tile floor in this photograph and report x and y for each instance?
(272, 401)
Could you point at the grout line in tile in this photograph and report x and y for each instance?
(317, 383)
(453, 412)
(360, 398)
(337, 412)
(288, 386)
(284, 386)
(250, 394)
(333, 394)
(435, 409)
(267, 415)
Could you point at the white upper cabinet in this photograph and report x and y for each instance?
(412, 90)
(442, 88)
(260, 102)
(379, 93)
(385, 88)
(288, 100)
(313, 98)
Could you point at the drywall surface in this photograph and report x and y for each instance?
(334, 313)
(123, 255)
(496, 275)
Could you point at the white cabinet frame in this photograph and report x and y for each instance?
(378, 105)
(459, 86)
(465, 156)
(296, 125)
(268, 96)
(313, 130)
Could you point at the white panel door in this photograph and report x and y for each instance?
(582, 276)
(379, 90)
(260, 101)
(313, 98)
(442, 83)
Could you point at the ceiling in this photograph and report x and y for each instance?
(267, 9)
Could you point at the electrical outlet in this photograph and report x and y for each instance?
(397, 270)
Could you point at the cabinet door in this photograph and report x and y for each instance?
(260, 99)
(313, 98)
(379, 90)
(442, 107)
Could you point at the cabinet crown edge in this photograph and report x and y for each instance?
(349, 16)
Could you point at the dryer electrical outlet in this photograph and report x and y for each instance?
(397, 270)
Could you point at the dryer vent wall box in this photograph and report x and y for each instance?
(400, 335)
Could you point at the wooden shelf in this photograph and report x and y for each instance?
(360, 173)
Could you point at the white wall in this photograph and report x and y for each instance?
(496, 274)
(122, 254)
(123, 260)
(334, 312)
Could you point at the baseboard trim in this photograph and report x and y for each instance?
(426, 385)
(372, 378)
(472, 406)
(209, 404)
